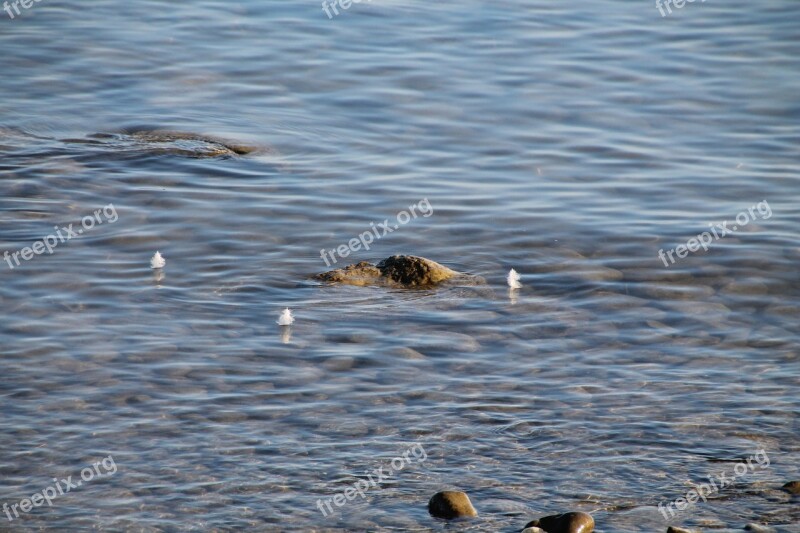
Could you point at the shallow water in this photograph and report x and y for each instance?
(569, 142)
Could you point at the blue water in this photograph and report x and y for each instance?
(570, 142)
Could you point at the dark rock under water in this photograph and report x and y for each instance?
(167, 142)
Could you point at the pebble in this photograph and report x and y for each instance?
(451, 504)
(405, 352)
(593, 273)
(677, 292)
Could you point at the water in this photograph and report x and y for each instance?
(570, 142)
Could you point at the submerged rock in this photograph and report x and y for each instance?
(451, 504)
(758, 528)
(673, 529)
(166, 142)
(573, 522)
(402, 270)
(191, 144)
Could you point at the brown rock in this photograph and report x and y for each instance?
(792, 487)
(362, 273)
(574, 522)
(451, 504)
(673, 529)
(404, 270)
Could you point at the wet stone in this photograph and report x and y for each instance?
(451, 504)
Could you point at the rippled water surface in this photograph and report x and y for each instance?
(569, 141)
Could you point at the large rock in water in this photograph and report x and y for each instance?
(451, 504)
(412, 270)
(402, 270)
(575, 522)
(165, 142)
(362, 273)
(188, 144)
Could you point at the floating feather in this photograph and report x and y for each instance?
(513, 279)
(157, 261)
(286, 318)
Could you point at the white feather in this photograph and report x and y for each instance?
(157, 261)
(286, 318)
(513, 279)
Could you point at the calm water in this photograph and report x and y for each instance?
(571, 142)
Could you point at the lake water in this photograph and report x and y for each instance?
(568, 141)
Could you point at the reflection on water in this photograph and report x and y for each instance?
(568, 142)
